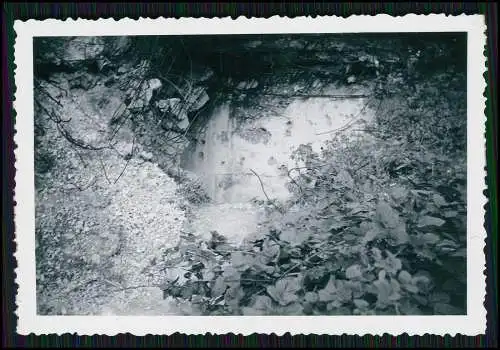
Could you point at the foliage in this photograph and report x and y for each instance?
(377, 226)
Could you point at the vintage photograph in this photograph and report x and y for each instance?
(251, 174)
(254, 174)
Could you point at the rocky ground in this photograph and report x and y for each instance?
(104, 216)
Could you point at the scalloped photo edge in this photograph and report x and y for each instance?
(474, 323)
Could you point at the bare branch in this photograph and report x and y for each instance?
(261, 184)
(348, 124)
(337, 97)
(104, 170)
(128, 160)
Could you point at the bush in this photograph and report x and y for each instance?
(376, 226)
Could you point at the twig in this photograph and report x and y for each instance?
(114, 284)
(138, 287)
(261, 184)
(104, 170)
(348, 124)
(306, 260)
(46, 93)
(75, 141)
(80, 285)
(126, 164)
(361, 167)
(316, 95)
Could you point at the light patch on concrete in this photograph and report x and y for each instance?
(231, 159)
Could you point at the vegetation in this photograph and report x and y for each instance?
(376, 226)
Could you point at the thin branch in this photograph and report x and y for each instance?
(104, 170)
(128, 161)
(339, 97)
(261, 184)
(80, 188)
(138, 287)
(46, 93)
(77, 142)
(348, 124)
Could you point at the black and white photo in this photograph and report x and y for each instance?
(232, 173)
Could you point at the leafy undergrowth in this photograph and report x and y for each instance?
(377, 225)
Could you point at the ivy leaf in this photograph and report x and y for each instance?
(345, 178)
(260, 262)
(328, 293)
(391, 264)
(372, 231)
(447, 309)
(311, 297)
(461, 253)
(219, 287)
(357, 288)
(291, 309)
(361, 304)
(233, 296)
(231, 276)
(399, 234)
(344, 293)
(426, 221)
(353, 271)
(370, 235)
(411, 288)
(335, 224)
(294, 237)
(450, 213)
(422, 281)
(239, 261)
(387, 215)
(439, 298)
(399, 193)
(384, 290)
(404, 277)
(284, 291)
(408, 308)
(396, 288)
(447, 245)
(270, 250)
(263, 306)
(430, 238)
(439, 200)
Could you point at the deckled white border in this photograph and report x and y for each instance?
(472, 324)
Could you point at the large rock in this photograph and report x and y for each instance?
(197, 99)
(145, 96)
(206, 75)
(183, 125)
(247, 85)
(103, 64)
(81, 50)
(83, 81)
(201, 74)
(116, 46)
(172, 109)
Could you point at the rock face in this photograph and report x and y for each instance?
(72, 53)
(197, 99)
(84, 81)
(174, 114)
(145, 95)
(82, 49)
(79, 53)
(247, 85)
(116, 46)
